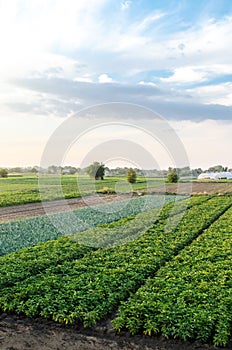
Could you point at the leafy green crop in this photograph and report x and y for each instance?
(191, 296)
(32, 260)
(87, 289)
(132, 227)
(29, 232)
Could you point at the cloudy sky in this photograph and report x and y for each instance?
(171, 56)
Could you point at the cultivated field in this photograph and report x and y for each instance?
(138, 272)
(25, 189)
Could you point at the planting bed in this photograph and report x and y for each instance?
(169, 276)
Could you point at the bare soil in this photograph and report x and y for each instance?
(197, 188)
(17, 212)
(18, 333)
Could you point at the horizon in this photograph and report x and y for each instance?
(120, 167)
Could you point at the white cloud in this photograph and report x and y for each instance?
(213, 94)
(148, 21)
(198, 73)
(104, 78)
(186, 75)
(203, 47)
(31, 32)
(148, 83)
(125, 5)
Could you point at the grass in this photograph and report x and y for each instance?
(25, 189)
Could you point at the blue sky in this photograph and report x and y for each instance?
(171, 56)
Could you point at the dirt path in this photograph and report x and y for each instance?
(16, 212)
(22, 333)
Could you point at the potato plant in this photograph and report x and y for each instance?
(190, 297)
(88, 289)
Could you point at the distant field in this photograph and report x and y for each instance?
(20, 190)
(25, 189)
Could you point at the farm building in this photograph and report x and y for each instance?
(215, 176)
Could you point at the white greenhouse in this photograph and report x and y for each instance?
(216, 176)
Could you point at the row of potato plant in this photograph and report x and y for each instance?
(25, 262)
(191, 296)
(130, 228)
(32, 260)
(86, 290)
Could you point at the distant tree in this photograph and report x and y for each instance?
(216, 169)
(96, 170)
(131, 176)
(3, 172)
(16, 170)
(69, 170)
(197, 171)
(173, 176)
(53, 169)
(185, 171)
(34, 170)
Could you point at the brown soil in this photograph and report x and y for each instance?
(18, 333)
(16, 212)
(195, 188)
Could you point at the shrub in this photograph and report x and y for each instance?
(3, 172)
(173, 177)
(131, 176)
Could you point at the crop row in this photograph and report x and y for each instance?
(28, 261)
(29, 232)
(132, 227)
(190, 297)
(87, 289)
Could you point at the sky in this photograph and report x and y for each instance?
(172, 57)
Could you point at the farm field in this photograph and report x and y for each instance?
(28, 232)
(169, 275)
(25, 189)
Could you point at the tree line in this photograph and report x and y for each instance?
(99, 170)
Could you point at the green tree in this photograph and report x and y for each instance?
(173, 176)
(3, 172)
(16, 170)
(35, 170)
(216, 168)
(131, 176)
(96, 170)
